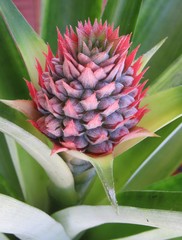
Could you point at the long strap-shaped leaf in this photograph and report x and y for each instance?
(7, 172)
(28, 222)
(167, 157)
(34, 188)
(149, 54)
(170, 78)
(123, 13)
(77, 219)
(28, 42)
(152, 199)
(54, 166)
(157, 20)
(61, 14)
(11, 79)
(157, 234)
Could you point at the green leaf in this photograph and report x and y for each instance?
(166, 161)
(11, 58)
(34, 188)
(159, 234)
(78, 219)
(163, 200)
(8, 180)
(155, 200)
(158, 20)
(148, 55)
(170, 78)
(28, 42)
(145, 199)
(123, 13)
(54, 166)
(113, 230)
(160, 114)
(61, 14)
(132, 159)
(172, 183)
(27, 222)
(5, 188)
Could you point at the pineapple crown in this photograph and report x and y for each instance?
(90, 90)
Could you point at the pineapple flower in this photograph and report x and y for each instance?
(90, 90)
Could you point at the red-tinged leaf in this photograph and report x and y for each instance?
(24, 106)
(58, 149)
(137, 132)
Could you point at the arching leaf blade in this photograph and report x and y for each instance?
(122, 13)
(11, 58)
(78, 219)
(9, 180)
(30, 45)
(27, 222)
(171, 77)
(159, 234)
(54, 166)
(32, 178)
(163, 21)
(166, 161)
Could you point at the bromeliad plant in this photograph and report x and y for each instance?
(89, 102)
